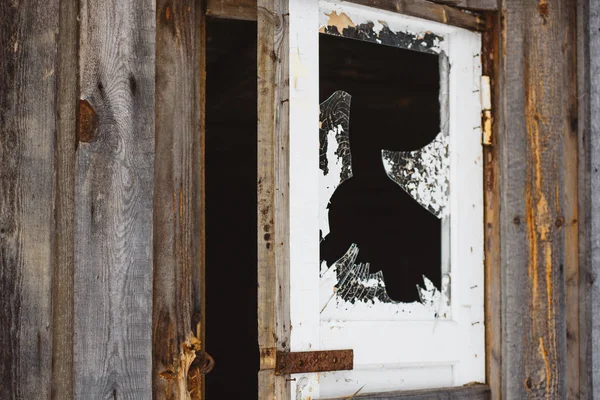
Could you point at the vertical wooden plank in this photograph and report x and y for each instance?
(593, 273)
(535, 119)
(113, 197)
(570, 219)
(67, 93)
(178, 201)
(493, 265)
(585, 200)
(273, 192)
(27, 143)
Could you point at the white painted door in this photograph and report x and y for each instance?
(434, 342)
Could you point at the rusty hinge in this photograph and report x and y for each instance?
(313, 361)
(486, 110)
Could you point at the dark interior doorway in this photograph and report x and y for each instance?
(231, 255)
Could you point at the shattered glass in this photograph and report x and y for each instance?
(423, 174)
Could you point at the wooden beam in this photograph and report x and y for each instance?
(537, 123)
(113, 197)
(273, 193)
(28, 122)
(232, 9)
(246, 9)
(178, 200)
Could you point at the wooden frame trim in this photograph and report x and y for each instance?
(445, 14)
(492, 264)
(472, 392)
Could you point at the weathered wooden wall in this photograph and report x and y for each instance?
(28, 120)
(87, 228)
(101, 196)
(537, 150)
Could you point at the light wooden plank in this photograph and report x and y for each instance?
(64, 238)
(273, 192)
(232, 9)
(28, 62)
(584, 18)
(114, 188)
(178, 203)
(534, 117)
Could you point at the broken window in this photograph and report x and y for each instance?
(384, 164)
(386, 199)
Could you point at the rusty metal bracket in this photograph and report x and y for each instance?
(313, 361)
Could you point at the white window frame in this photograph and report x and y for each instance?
(389, 354)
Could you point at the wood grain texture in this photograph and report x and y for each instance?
(493, 265)
(591, 281)
(570, 217)
(67, 94)
(113, 197)
(273, 192)
(475, 392)
(28, 58)
(178, 203)
(535, 120)
(588, 374)
(232, 9)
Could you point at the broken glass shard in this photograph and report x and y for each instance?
(424, 174)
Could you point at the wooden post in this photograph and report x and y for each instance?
(537, 131)
(178, 200)
(273, 193)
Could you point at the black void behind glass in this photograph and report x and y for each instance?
(395, 106)
(231, 254)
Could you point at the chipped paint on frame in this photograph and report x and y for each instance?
(366, 26)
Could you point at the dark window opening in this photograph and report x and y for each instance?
(394, 106)
(231, 255)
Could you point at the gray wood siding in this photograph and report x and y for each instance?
(535, 137)
(113, 197)
(28, 57)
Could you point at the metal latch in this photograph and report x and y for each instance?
(486, 110)
(313, 361)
